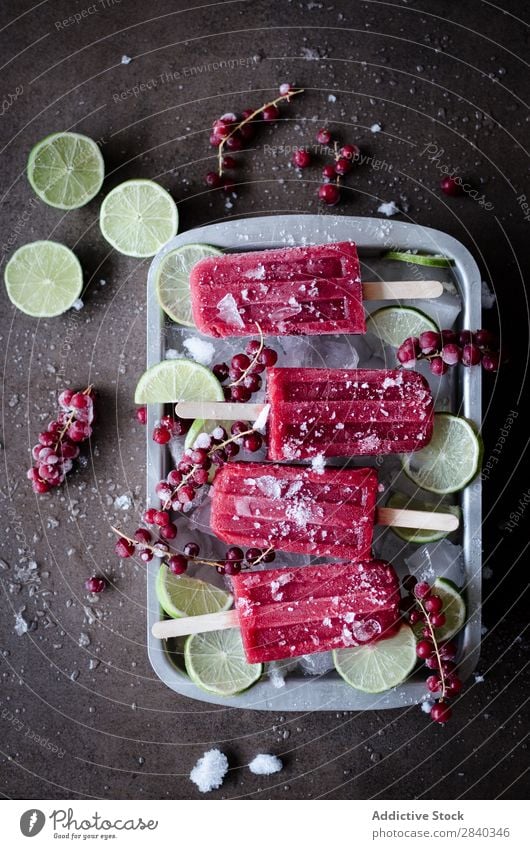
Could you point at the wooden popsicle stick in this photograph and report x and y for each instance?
(393, 290)
(218, 410)
(420, 519)
(195, 624)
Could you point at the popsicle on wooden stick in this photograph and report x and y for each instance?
(290, 291)
(329, 512)
(335, 412)
(290, 612)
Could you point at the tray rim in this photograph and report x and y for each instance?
(328, 692)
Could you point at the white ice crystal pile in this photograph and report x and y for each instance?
(265, 765)
(209, 771)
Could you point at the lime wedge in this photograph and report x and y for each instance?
(378, 666)
(66, 170)
(392, 325)
(420, 259)
(454, 608)
(177, 380)
(400, 501)
(172, 280)
(180, 595)
(43, 279)
(216, 662)
(450, 461)
(138, 218)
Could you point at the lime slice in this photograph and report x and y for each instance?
(450, 461)
(43, 279)
(216, 662)
(420, 259)
(392, 325)
(138, 218)
(172, 282)
(177, 380)
(454, 608)
(400, 501)
(205, 426)
(180, 595)
(66, 170)
(378, 666)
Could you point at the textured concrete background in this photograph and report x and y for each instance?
(447, 73)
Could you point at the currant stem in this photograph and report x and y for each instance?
(251, 117)
(436, 649)
(254, 361)
(263, 555)
(145, 546)
(70, 420)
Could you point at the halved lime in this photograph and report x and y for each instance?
(43, 279)
(454, 608)
(177, 380)
(180, 595)
(451, 459)
(138, 217)
(392, 325)
(400, 501)
(420, 259)
(216, 662)
(378, 666)
(66, 170)
(172, 280)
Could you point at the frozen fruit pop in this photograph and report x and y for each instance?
(329, 512)
(347, 412)
(335, 412)
(289, 291)
(290, 612)
(296, 509)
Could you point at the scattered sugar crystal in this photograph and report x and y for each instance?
(426, 705)
(123, 502)
(200, 350)
(21, 624)
(256, 273)
(125, 60)
(209, 771)
(332, 98)
(78, 304)
(173, 354)
(265, 765)
(488, 297)
(84, 640)
(318, 464)
(479, 679)
(388, 209)
(269, 486)
(375, 128)
(227, 309)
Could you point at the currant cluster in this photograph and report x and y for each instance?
(232, 132)
(58, 445)
(449, 348)
(146, 547)
(244, 371)
(424, 610)
(169, 427)
(344, 158)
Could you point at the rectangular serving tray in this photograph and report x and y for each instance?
(373, 237)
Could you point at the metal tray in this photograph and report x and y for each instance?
(373, 236)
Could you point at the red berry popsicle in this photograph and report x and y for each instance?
(329, 512)
(290, 291)
(290, 612)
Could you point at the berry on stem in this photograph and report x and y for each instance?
(329, 193)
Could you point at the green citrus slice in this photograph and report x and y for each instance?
(454, 608)
(172, 281)
(420, 259)
(43, 279)
(177, 380)
(378, 666)
(216, 662)
(400, 501)
(451, 459)
(66, 170)
(138, 217)
(392, 325)
(180, 595)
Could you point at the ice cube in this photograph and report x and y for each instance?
(316, 664)
(335, 352)
(440, 559)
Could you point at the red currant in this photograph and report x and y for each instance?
(441, 712)
(471, 355)
(342, 166)
(177, 564)
(424, 649)
(301, 158)
(323, 136)
(270, 113)
(161, 435)
(95, 585)
(449, 186)
(213, 180)
(124, 548)
(350, 151)
(329, 193)
(141, 415)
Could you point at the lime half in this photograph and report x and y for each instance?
(172, 280)
(454, 608)
(43, 279)
(138, 218)
(420, 259)
(66, 170)
(392, 325)
(400, 501)
(177, 380)
(180, 595)
(450, 461)
(216, 662)
(379, 666)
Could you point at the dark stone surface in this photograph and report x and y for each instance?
(447, 73)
